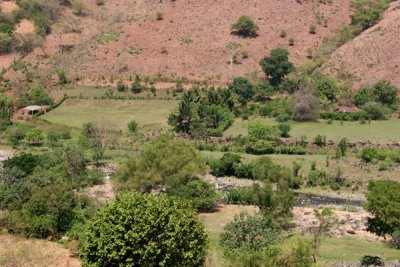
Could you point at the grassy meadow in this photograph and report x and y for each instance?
(376, 131)
(147, 113)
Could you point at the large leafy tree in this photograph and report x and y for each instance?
(243, 88)
(277, 65)
(383, 202)
(145, 230)
(160, 158)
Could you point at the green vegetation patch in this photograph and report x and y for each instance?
(147, 113)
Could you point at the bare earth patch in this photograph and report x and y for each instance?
(8, 6)
(16, 251)
(25, 27)
(124, 37)
(372, 56)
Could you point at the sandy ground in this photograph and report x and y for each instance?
(125, 38)
(7, 6)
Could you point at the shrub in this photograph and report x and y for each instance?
(313, 29)
(136, 85)
(79, 7)
(282, 34)
(24, 162)
(376, 111)
(245, 26)
(159, 15)
(34, 137)
(277, 65)
(396, 239)
(247, 233)
(284, 129)
(291, 41)
(368, 260)
(343, 145)
(121, 87)
(100, 2)
(50, 211)
(226, 165)
(133, 126)
(5, 42)
(145, 230)
(320, 140)
(200, 193)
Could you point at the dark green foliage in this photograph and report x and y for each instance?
(34, 137)
(200, 193)
(368, 13)
(368, 260)
(243, 88)
(145, 230)
(24, 162)
(133, 126)
(8, 28)
(343, 145)
(245, 26)
(121, 87)
(158, 160)
(284, 129)
(136, 87)
(317, 178)
(275, 204)
(5, 42)
(382, 92)
(277, 65)
(35, 96)
(48, 212)
(376, 111)
(277, 108)
(383, 202)
(320, 140)
(6, 112)
(62, 77)
(226, 165)
(42, 23)
(203, 115)
(327, 88)
(343, 116)
(248, 233)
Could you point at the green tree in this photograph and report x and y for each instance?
(383, 202)
(245, 26)
(145, 230)
(200, 193)
(159, 159)
(248, 233)
(5, 42)
(6, 111)
(183, 119)
(34, 137)
(277, 65)
(48, 212)
(343, 146)
(243, 88)
(386, 93)
(327, 219)
(327, 88)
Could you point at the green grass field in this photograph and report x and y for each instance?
(377, 131)
(147, 113)
(345, 249)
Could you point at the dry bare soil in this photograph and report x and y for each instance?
(125, 37)
(373, 55)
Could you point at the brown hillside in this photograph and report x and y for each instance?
(372, 56)
(124, 37)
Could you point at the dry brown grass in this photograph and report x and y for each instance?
(21, 252)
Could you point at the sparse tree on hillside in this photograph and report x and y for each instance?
(231, 48)
(245, 26)
(277, 65)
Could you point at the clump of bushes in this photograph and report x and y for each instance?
(245, 26)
